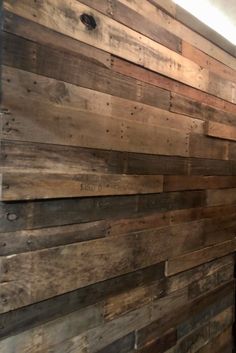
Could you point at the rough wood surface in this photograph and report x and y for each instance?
(118, 179)
(221, 131)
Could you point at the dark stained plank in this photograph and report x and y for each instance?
(122, 345)
(161, 344)
(39, 214)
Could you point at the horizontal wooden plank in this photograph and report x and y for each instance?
(26, 318)
(144, 75)
(225, 274)
(29, 240)
(166, 5)
(188, 277)
(76, 66)
(119, 11)
(112, 116)
(191, 107)
(184, 262)
(156, 16)
(128, 253)
(183, 312)
(122, 303)
(192, 53)
(48, 158)
(43, 35)
(221, 197)
(122, 345)
(221, 131)
(201, 146)
(220, 343)
(137, 49)
(93, 339)
(39, 186)
(200, 337)
(40, 214)
(203, 316)
(175, 182)
(36, 239)
(161, 344)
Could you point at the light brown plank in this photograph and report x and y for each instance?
(221, 131)
(23, 186)
(221, 197)
(204, 60)
(166, 5)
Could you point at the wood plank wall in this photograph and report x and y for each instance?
(118, 180)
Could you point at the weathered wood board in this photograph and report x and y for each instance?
(117, 179)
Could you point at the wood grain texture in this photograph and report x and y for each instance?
(117, 212)
(187, 261)
(140, 50)
(34, 186)
(221, 131)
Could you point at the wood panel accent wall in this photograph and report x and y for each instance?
(118, 180)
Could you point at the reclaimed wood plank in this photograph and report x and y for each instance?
(192, 53)
(27, 186)
(203, 316)
(166, 5)
(185, 105)
(200, 337)
(78, 68)
(157, 16)
(161, 344)
(176, 182)
(91, 130)
(137, 48)
(127, 253)
(124, 14)
(48, 213)
(183, 312)
(196, 258)
(221, 197)
(34, 315)
(36, 239)
(198, 273)
(201, 146)
(135, 71)
(221, 131)
(220, 343)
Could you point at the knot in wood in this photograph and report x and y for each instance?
(88, 21)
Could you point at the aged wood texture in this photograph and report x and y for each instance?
(118, 179)
(221, 131)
